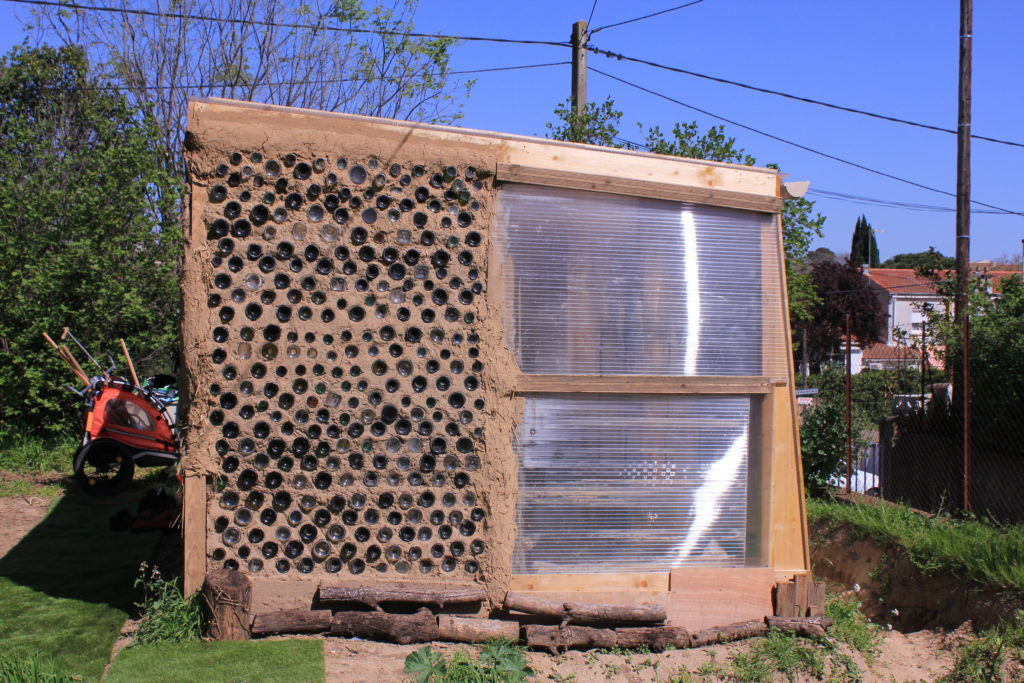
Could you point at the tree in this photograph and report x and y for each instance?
(821, 255)
(930, 259)
(863, 247)
(599, 125)
(355, 60)
(82, 191)
(840, 288)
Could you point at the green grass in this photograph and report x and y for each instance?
(996, 655)
(988, 554)
(29, 488)
(255, 661)
(66, 588)
(850, 626)
(31, 455)
(15, 669)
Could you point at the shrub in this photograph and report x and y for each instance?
(167, 615)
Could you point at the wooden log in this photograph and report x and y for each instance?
(227, 594)
(585, 613)
(657, 638)
(728, 633)
(802, 626)
(559, 638)
(470, 630)
(403, 629)
(373, 596)
(291, 621)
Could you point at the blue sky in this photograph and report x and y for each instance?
(895, 58)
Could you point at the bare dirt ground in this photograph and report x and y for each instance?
(20, 514)
(904, 657)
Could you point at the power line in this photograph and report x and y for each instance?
(591, 17)
(798, 98)
(248, 22)
(647, 16)
(892, 204)
(796, 144)
(202, 86)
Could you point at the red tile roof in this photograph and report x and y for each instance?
(906, 281)
(885, 352)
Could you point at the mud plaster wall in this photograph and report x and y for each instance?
(351, 397)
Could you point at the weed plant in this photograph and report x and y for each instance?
(32, 455)
(32, 669)
(850, 626)
(499, 661)
(989, 554)
(996, 655)
(167, 615)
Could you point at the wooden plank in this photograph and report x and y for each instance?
(800, 594)
(788, 523)
(702, 598)
(785, 599)
(588, 583)
(250, 122)
(194, 530)
(641, 384)
(632, 187)
(816, 599)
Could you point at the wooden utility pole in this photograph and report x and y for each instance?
(849, 400)
(579, 77)
(963, 229)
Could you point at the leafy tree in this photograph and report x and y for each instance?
(823, 439)
(599, 125)
(370, 65)
(930, 259)
(863, 247)
(81, 243)
(821, 255)
(841, 289)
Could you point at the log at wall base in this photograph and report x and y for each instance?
(399, 593)
(470, 630)
(560, 638)
(802, 626)
(227, 594)
(291, 621)
(403, 629)
(585, 613)
(730, 632)
(657, 638)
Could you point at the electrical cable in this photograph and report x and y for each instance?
(892, 204)
(798, 98)
(646, 16)
(796, 144)
(228, 20)
(591, 17)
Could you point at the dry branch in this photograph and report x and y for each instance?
(291, 621)
(403, 629)
(559, 638)
(402, 593)
(585, 613)
(470, 630)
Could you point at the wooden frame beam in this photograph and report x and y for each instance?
(515, 173)
(641, 384)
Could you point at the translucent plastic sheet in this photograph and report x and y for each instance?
(606, 284)
(619, 483)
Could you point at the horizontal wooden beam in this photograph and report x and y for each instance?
(640, 384)
(711, 196)
(583, 583)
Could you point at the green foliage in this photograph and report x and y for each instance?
(920, 259)
(823, 433)
(872, 391)
(32, 669)
(295, 660)
(863, 246)
(840, 289)
(35, 454)
(599, 125)
(82, 244)
(850, 626)
(500, 661)
(167, 615)
(989, 555)
(778, 653)
(996, 655)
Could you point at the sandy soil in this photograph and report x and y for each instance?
(19, 515)
(904, 657)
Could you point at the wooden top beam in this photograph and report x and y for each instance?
(641, 384)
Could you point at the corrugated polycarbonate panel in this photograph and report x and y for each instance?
(631, 483)
(605, 284)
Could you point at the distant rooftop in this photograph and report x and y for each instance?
(906, 281)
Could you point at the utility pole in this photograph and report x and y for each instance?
(579, 78)
(849, 401)
(963, 229)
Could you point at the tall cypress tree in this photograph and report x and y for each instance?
(863, 247)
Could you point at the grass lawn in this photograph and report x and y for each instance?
(66, 588)
(988, 554)
(287, 661)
